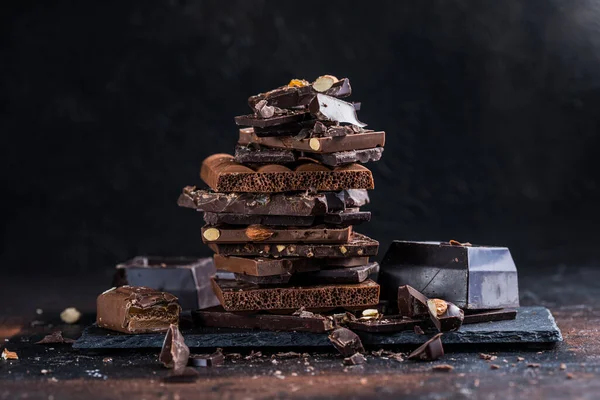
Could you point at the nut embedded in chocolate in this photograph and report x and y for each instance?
(346, 342)
(429, 351)
(174, 353)
(445, 315)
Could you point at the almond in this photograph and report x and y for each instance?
(258, 233)
(324, 83)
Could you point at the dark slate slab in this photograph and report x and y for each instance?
(533, 325)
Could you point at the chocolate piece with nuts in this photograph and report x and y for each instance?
(446, 316)
(269, 234)
(346, 342)
(429, 351)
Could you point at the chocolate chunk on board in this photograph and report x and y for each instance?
(207, 360)
(174, 353)
(445, 315)
(411, 302)
(279, 266)
(239, 296)
(346, 342)
(429, 351)
(187, 278)
(301, 204)
(267, 234)
(223, 174)
(357, 141)
(346, 157)
(130, 309)
(286, 118)
(263, 155)
(219, 318)
(339, 275)
(299, 96)
(358, 246)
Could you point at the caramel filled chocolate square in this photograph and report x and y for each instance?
(131, 309)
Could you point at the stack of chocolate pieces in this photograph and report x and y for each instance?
(280, 214)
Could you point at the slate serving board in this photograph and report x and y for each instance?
(533, 326)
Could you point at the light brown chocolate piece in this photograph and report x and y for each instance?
(270, 234)
(280, 266)
(130, 309)
(223, 174)
(241, 296)
(357, 141)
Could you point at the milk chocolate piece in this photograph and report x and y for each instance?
(263, 155)
(446, 316)
(223, 174)
(207, 360)
(346, 157)
(358, 141)
(429, 351)
(269, 234)
(174, 353)
(411, 302)
(290, 97)
(280, 266)
(240, 296)
(187, 278)
(130, 309)
(301, 204)
(329, 108)
(358, 246)
(219, 318)
(340, 275)
(346, 342)
(280, 119)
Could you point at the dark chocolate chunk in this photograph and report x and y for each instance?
(187, 278)
(347, 217)
(411, 302)
(280, 119)
(329, 108)
(446, 316)
(347, 157)
(263, 155)
(174, 353)
(55, 338)
(355, 359)
(346, 342)
(241, 296)
(350, 198)
(304, 322)
(301, 204)
(266, 234)
(429, 351)
(130, 309)
(339, 275)
(358, 246)
(221, 173)
(207, 360)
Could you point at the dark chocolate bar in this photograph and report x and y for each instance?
(266, 280)
(347, 217)
(240, 296)
(131, 309)
(357, 141)
(346, 342)
(346, 157)
(269, 234)
(358, 246)
(341, 218)
(305, 322)
(278, 119)
(429, 351)
(263, 155)
(187, 278)
(223, 174)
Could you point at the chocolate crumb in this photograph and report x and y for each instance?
(443, 367)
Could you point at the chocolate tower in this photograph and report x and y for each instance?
(280, 214)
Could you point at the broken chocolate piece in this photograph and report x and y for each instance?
(187, 278)
(241, 296)
(411, 303)
(264, 280)
(329, 108)
(339, 275)
(223, 174)
(263, 155)
(265, 266)
(130, 309)
(359, 245)
(358, 141)
(346, 342)
(429, 351)
(446, 316)
(207, 360)
(348, 217)
(355, 359)
(279, 119)
(443, 367)
(346, 157)
(340, 218)
(55, 338)
(264, 234)
(304, 322)
(302, 204)
(174, 353)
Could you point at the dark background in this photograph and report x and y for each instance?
(491, 110)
